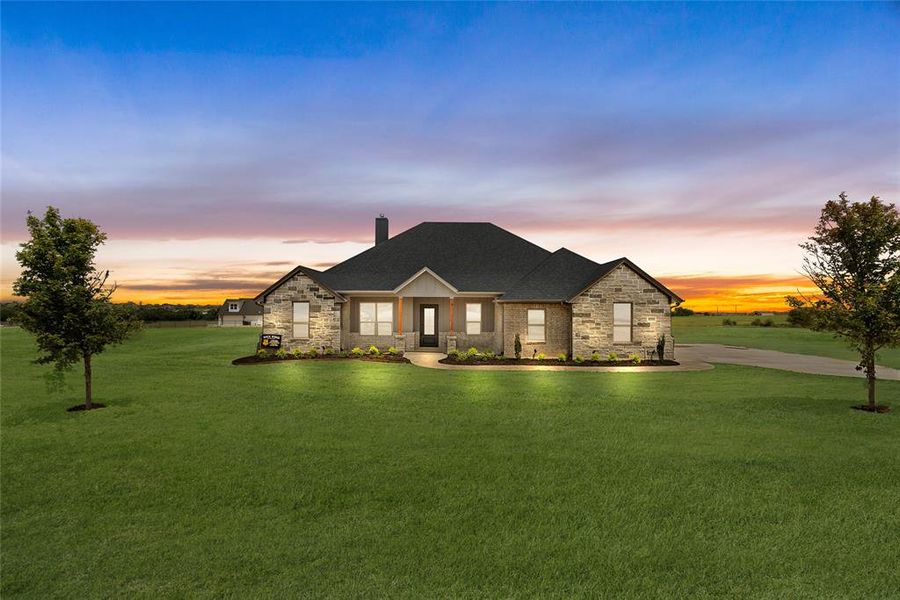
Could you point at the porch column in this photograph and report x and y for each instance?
(451, 315)
(451, 335)
(399, 338)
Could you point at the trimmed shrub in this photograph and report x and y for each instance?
(373, 351)
(595, 356)
(635, 358)
(578, 359)
(612, 357)
(561, 357)
(262, 353)
(472, 352)
(297, 352)
(540, 356)
(328, 351)
(517, 347)
(488, 354)
(357, 351)
(661, 346)
(313, 353)
(454, 353)
(393, 351)
(281, 353)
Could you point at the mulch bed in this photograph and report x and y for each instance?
(557, 363)
(879, 408)
(255, 360)
(79, 407)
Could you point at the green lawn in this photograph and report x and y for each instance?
(702, 329)
(357, 479)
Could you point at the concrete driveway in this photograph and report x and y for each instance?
(771, 359)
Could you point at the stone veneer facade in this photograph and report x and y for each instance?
(578, 329)
(557, 332)
(324, 314)
(592, 316)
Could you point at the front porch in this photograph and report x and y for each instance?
(422, 323)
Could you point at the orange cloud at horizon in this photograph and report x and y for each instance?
(738, 293)
(719, 293)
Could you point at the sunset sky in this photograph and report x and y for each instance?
(221, 145)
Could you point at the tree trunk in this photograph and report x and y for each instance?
(88, 392)
(870, 376)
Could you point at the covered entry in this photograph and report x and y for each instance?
(428, 320)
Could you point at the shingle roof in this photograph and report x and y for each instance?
(561, 276)
(476, 257)
(472, 257)
(565, 274)
(246, 307)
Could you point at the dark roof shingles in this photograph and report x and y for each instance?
(558, 278)
(470, 256)
(248, 307)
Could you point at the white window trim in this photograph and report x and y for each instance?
(617, 327)
(295, 323)
(376, 323)
(478, 322)
(233, 307)
(529, 325)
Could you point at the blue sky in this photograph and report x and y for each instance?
(698, 139)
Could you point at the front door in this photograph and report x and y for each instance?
(428, 325)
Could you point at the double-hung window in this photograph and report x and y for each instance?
(473, 319)
(536, 325)
(622, 322)
(376, 318)
(301, 320)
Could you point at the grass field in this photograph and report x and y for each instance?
(702, 329)
(348, 479)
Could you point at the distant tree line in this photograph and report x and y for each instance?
(174, 312)
(147, 313)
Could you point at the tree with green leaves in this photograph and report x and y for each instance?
(854, 259)
(67, 302)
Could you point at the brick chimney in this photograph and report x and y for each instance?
(381, 229)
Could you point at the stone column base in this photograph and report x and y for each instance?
(400, 342)
(451, 343)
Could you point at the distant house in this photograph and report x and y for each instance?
(457, 285)
(240, 312)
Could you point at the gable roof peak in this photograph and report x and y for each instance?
(472, 256)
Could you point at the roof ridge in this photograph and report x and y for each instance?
(375, 247)
(535, 268)
(516, 235)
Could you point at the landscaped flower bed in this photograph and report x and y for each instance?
(473, 357)
(372, 354)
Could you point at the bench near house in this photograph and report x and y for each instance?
(439, 286)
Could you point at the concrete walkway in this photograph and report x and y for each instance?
(771, 359)
(430, 360)
(693, 357)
